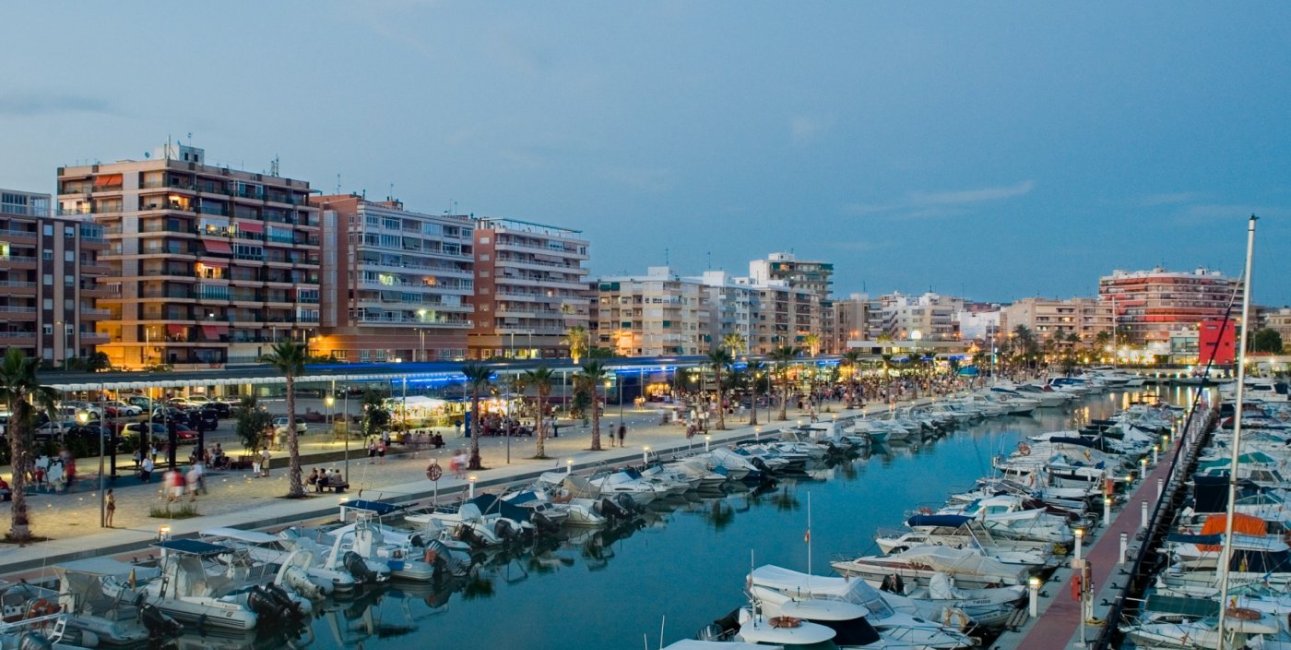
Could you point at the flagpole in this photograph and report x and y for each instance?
(808, 538)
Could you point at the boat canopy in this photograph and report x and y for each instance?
(104, 566)
(490, 504)
(949, 521)
(791, 582)
(192, 547)
(381, 508)
(248, 536)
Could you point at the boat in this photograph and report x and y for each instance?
(299, 568)
(918, 565)
(114, 622)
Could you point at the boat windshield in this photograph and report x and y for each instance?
(856, 632)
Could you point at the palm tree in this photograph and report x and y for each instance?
(719, 360)
(852, 361)
(735, 343)
(755, 369)
(811, 342)
(541, 380)
(478, 377)
(21, 391)
(576, 339)
(782, 356)
(590, 379)
(288, 358)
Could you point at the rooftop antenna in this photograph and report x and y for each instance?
(391, 197)
(708, 257)
(273, 166)
(338, 183)
(190, 138)
(665, 256)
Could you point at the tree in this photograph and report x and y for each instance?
(576, 339)
(1266, 340)
(811, 344)
(782, 356)
(478, 377)
(754, 372)
(735, 343)
(21, 391)
(589, 379)
(376, 416)
(288, 357)
(252, 422)
(719, 360)
(852, 361)
(541, 380)
(98, 362)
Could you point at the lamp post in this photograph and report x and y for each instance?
(1033, 586)
(330, 401)
(346, 408)
(421, 319)
(1080, 536)
(471, 485)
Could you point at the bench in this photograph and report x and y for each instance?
(337, 488)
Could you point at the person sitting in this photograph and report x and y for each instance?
(314, 480)
(6, 493)
(437, 441)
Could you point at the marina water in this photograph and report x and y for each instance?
(684, 565)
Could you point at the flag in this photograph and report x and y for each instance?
(806, 539)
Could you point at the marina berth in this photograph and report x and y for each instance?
(918, 565)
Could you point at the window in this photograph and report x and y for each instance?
(49, 230)
(47, 255)
(69, 304)
(48, 304)
(69, 256)
(484, 240)
(69, 280)
(49, 328)
(70, 231)
(49, 280)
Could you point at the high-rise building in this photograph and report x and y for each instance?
(1278, 320)
(49, 270)
(851, 321)
(656, 314)
(1051, 318)
(529, 289)
(930, 317)
(817, 277)
(1148, 305)
(210, 265)
(396, 284)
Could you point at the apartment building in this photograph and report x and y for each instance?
(396, 285)
(209, 265)
(1278, 320)
(814, 276)
(657, 314)
(785, 316)
(48, 270)
(733, 306)
(1049, 318)
(1148, 305)
(929, 317)
(530, 288)
(851, 321)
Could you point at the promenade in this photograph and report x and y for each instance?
(236, 498)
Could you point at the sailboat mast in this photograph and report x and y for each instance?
(1226, 553)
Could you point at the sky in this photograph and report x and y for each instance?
(989, 150)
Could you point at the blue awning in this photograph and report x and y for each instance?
(382, 508)
(969, 371)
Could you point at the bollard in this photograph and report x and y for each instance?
(1034, 584)
(1160, 487)
(1075, 558)
(707, 439)
(1125, 546)
(569, 466)
(1107, 511)
(1143, 515)
(471, 488)
(645, 455)
(1156, 455)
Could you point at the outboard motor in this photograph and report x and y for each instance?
(611, 510)
(158, 624)
(625, 501)
(284, 601)
(892, 584)
(35, 641)
(260, 602)
(440, 555)
(505, 530)
(354, 563)
(416, 541)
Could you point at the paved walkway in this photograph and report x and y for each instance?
(236, 498)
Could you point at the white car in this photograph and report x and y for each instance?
(280, 426)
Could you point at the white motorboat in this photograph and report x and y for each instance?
(367, 538)
(918, 565)
(297, 566)
(81, 596)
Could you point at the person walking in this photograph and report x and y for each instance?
(264, 462)
(110, 505)
(623, 433)
(381, 452)
(145, 470)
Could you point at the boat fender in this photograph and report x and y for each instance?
(1024, 449)
(785, 621)
(1243, 614)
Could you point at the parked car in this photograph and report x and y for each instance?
(221, 409)
(207, 416)
(120, 409)
(142, 401)
(280, 426)
(159, 432)
(163, 413)
(73, 407)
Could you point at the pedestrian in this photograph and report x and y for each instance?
(372, 450)
(623, 433)
(174, 485)
(381, 452)
(145, 470)
(264, 462)
(459, 464)
(555, 428)
(110, 500)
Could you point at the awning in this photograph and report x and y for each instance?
(107, 180)
(251, 226)
(217, 246)
(176, 330)
(213, 332)
(215, 264)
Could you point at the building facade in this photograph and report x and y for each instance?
(1278, 320)
(817, 277)
(929, 317)
(530, 288)
(49, 269)
(396, 285)
(209, 265)
(1148, 305)
(1058, 320)
(657, 314)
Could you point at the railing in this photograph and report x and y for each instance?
(16, 309)
(18, 258)
(18, 233)
(17, 283)
(17, 335)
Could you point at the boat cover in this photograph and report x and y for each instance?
(1242, 524)
(794, 582)
(950, 521)
(954, 560)
(490, 504)
(1210, 493)
(381, 508)
(192, 547)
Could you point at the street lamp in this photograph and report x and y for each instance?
(421, 319)
(330, 401)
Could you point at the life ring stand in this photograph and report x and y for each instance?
(785, 621)
(1243, 614)
(1024, 449)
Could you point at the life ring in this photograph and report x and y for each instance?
(925, 510)
(785, 621)
(1024, 449)
(41, 607)
(434, 472)
(1243, 614)
(955, 617)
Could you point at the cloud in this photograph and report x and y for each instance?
(1169, 198)
(805, 128)
(1212, 213)
(36, 104)
(925, 205)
